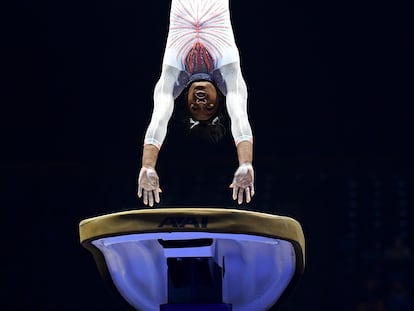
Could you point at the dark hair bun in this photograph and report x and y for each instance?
(211, 131)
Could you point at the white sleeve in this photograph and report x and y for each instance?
(163, 107)
(236, 102)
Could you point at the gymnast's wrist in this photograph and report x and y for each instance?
(246, 163)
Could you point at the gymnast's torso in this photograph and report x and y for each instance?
(200, 37)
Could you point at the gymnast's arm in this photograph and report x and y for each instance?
(236, 102)
(148, 181)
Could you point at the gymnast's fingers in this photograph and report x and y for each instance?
(145, 199)
(248, 197)
(235, 190)
(240, 196)
(151, 198)
(157, 195)
(139, 191)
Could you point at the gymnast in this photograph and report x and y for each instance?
(202, 62)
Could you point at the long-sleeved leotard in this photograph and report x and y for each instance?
(200, 44)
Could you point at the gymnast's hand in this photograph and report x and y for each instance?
(149, 186)
(243, 183)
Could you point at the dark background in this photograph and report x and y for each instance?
(330, 91)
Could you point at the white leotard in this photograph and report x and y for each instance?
(200, 22)
(200, 40)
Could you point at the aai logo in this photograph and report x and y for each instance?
(184, 222)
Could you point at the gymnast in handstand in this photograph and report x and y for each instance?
(201, 60)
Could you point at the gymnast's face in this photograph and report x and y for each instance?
(202, 100)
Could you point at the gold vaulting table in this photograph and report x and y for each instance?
(263, 253)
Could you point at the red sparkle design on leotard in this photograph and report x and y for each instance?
(198, 59)
(199, 30)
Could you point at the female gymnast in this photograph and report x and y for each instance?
(201, 60)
